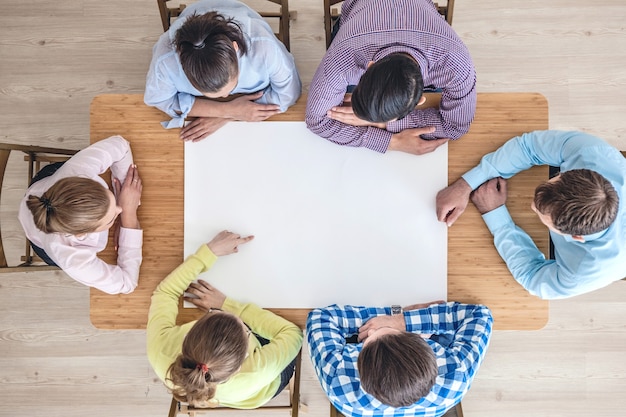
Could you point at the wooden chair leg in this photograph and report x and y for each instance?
(173, 408)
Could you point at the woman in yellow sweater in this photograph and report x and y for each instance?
(237, 355)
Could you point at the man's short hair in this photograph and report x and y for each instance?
(581, 202)
(390, 89)
(397, 369)
(205, 47)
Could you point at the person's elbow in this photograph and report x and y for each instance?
(455, 131)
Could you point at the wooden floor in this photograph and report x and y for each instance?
(55, 56)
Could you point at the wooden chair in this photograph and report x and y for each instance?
(282, 15)
(35, 156)
(179, 408)
(331, 15)
(456, 411)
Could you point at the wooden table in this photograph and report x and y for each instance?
(476, 273)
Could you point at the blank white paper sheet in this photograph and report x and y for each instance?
(332, 224)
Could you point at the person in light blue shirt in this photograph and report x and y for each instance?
(215, 49)
(582, 206)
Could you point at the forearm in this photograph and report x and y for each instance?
(204, 107)
(528, 265)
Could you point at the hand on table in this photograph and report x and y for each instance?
(490, 195)
(128, 197)
(204, 296)
(201, 127)
(409, 141)
(227, 242)
(244, 108)
(452, 201)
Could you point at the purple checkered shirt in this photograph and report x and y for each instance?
(373, 29)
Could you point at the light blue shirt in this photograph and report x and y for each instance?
(267, 66)
(579, 267)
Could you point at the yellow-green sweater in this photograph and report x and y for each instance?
(259, 377)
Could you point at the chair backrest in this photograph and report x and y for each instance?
(331, 15)
(179, 408)
(282, 15)
(35, 156)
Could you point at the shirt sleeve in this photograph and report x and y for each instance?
(113, 152)
(545, 147)
(327, 90)
(164, 303)
(161, 91)
(82, 263)
(285, 337)
(327, 330)
(469, 325)
(542, 277)
(285, 86)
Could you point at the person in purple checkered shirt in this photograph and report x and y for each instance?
(390, 51)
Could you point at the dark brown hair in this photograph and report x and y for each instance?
(205, 46)
(579, 202)
(397, 369)
(72, 205)
(218, 341)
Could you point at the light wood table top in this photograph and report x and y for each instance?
(476, 273)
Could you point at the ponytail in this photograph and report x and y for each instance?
(212, 352)
(72, 205)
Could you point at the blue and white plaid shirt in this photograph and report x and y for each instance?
(461, 335)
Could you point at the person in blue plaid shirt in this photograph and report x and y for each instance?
(416, 362)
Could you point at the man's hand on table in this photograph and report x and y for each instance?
(409, 141)
(490, 195)
(452, 201)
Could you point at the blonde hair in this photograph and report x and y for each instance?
(72, 205)
(213, 351)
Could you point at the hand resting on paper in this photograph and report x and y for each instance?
(204, 296)
(225, 243)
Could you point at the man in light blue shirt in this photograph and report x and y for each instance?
(214, 49)
(583, 208)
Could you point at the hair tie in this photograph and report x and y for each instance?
(46, 203)
(202, 367)
(199, 45)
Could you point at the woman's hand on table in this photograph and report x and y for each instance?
(201, 128)
(129, 197)
(205, 296)
(227, 242)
